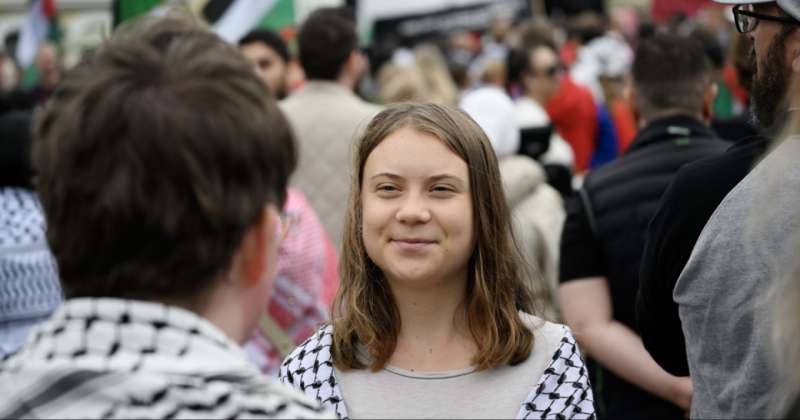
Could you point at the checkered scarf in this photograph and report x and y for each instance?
(110, 358)
(29, 288)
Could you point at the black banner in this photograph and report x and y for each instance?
(409, 29)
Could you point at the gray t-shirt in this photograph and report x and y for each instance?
(721, 291)
(496, 393)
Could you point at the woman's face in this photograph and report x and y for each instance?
(417, 210)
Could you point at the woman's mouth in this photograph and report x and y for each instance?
(413, 244)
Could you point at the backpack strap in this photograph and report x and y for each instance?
(276, 335)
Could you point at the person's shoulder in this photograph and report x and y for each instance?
(530, 113)
(321, 339)
(370, 109)
(698, 178)
(291, 403)
(315, 351)
(545, 331)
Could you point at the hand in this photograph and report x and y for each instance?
(682, 392)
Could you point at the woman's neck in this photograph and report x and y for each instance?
(433, 336)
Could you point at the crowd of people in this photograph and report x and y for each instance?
(567, 218)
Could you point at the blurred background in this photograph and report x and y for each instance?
(76, 26)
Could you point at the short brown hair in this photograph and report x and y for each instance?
(682, 87)
(364, 310)
(155, 154)
(325, 40)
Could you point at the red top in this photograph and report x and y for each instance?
(731, 78)
(624, 123)
(305, 285)
(574, 114)
(664, 9)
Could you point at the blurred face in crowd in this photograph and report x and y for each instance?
(47, 64)
(268, 65)
(542, 77)
(417, 211)
(774, 48)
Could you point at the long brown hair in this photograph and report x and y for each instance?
(364, 310)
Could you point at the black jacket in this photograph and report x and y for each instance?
(684, 210)
(605, 232)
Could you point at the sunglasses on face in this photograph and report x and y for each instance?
(747, 20)
(550, 71)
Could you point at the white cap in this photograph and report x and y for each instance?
(792, 7)
(493, 110)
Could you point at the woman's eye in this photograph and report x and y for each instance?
(442, 189)
(386, 188)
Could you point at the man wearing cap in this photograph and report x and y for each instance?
(698, 279)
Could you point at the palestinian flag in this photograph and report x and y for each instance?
(40, 25)
(231, 19)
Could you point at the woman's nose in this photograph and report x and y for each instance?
(414, 208)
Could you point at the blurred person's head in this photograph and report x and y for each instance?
(162, 168)
(773, 28)
(687, 87)
(427, 173)
(401, 83)
(536, 32)
(328, 47)
(711, 45)
(46, 62)
(585, 27)
(442, 88)
(646, 29)
(460, 49)
(540, 77)
(500, 25)
(494, 73)
(267, 53)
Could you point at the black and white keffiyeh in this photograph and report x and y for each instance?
(111, 358)
(562, 392)
(29, 287)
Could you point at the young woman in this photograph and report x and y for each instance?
(433, 317)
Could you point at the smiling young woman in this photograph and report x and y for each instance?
(433, 317)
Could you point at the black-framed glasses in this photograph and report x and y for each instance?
(747, 20)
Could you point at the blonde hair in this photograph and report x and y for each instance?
(425, 79)
(364, 311)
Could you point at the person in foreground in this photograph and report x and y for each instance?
(161, 167)
(433, 317)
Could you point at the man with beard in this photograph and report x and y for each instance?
(266, 51)
(714, 302)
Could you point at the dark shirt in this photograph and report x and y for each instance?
(605, 230)
(685, 208)
(15, 150)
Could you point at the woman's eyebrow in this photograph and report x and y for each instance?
(387, 175)
(434, 178)
(441, 177)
